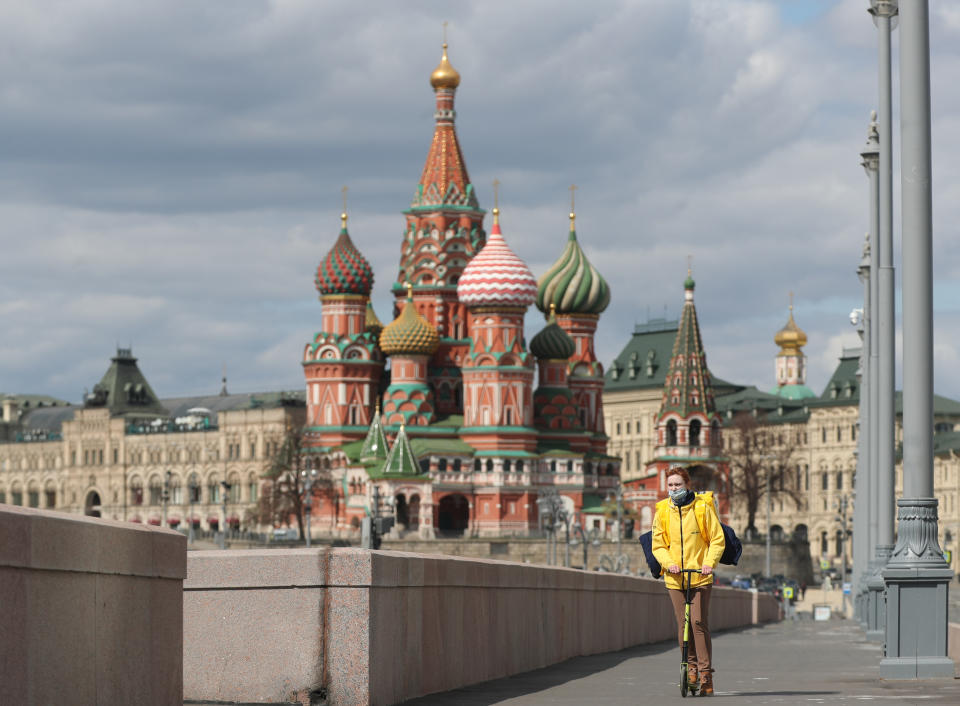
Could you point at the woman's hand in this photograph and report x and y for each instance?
(673, 569)
(706, 570)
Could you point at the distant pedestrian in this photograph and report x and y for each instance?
(803, 589)
(679, 544)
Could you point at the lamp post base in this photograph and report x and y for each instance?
(917, 580)
(875, 600)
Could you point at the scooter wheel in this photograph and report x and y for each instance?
(683, 681)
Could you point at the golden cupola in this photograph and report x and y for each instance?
(444, 76)
(791, 337)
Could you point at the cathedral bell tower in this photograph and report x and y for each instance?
(497, 287)
(342, 363)
(577, 294)
(444, 230)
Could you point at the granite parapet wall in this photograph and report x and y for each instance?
(351, 626)
(92, 610)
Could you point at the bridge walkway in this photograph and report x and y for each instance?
(794, 662)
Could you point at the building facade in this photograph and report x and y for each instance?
(820, 432)
(123, 449)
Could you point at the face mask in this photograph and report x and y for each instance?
(678, 495)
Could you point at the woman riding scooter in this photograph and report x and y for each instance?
(680, 543)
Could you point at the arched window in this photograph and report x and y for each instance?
(489, 465)
(476, 464)
(506, 465)
(695, 432)
(136, 491)
(672, 433)
(442, 464)
(456, 464)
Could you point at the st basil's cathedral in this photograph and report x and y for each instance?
(453, 433)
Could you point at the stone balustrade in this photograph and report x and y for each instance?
(91, 611)
(360, 627)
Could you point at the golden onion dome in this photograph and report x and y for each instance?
(444, 76)
(409, 333)
(791, 336)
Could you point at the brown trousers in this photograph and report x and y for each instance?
(700, 650)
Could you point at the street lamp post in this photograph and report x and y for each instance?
(916, 577)
(549, 508)
(842, 505)
(308, 480)
(224, 489)
(766, 487)
(586, 538)
(165, 496)
(193, 486)
(618, 496)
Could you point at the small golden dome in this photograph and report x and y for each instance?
(444, 76)
(409, 333)
(790, 336)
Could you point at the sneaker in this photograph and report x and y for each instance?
(706, 684)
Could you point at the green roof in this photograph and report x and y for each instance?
(945, 442)
(401, 461)
(375, 443)
(793, 392)
(124, 390)
(776, 410)
(843, 388)
(427, 446)
(644, 360)
(593, 504)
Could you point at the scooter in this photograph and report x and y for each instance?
(685, 686)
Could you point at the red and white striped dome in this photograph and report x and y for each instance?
(496, 276)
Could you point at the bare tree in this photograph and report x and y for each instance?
(283, 499)
(761, 456)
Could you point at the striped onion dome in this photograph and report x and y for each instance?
(344, 270)
(409, 333)
(496, 276)
(552, 343)
(572, 284)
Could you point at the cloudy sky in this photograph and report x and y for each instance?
(170, 170)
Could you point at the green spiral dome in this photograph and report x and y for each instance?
(573, 285)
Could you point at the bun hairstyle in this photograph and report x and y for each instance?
(678, 471)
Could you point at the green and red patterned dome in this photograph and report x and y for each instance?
(572, 284)
(344, 270)
(409, 333)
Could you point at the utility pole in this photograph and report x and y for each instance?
(917, 577)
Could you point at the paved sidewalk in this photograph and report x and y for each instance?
(797, 662)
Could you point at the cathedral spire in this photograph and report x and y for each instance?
(688, 387)
(444, 181)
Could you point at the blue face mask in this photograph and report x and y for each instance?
(678, 495)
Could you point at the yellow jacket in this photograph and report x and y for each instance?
(677, 539)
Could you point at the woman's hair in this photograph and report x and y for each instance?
(678, 471)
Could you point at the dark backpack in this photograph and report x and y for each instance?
(732, 548)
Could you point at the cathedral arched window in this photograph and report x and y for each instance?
(695, 432)
(672, 433)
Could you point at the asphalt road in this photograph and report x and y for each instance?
(796, 662)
